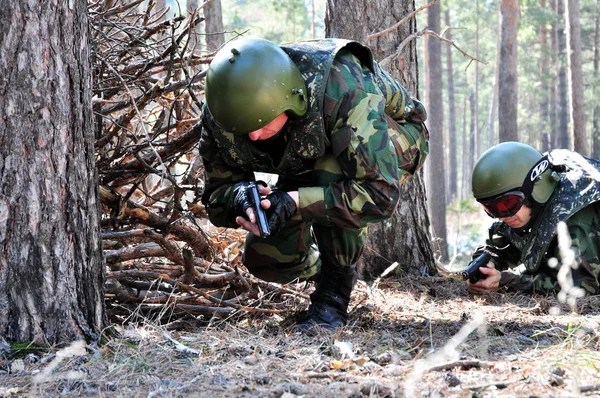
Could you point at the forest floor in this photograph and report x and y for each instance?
(406, 337)
(411, 337)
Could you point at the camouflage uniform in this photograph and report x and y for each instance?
(363, 135)
(575, 201)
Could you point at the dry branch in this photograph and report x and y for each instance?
(147, 93)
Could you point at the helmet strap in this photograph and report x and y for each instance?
(534, 175)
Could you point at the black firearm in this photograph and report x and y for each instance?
(261, 217)
(472, 272)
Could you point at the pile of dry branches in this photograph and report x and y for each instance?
(159, 248)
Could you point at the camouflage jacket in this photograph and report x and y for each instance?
(350, 101)
(575, 202)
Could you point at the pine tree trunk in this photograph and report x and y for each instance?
(215, 36)
(544, 103)
(51, 268)
(494, 102)
(435, 111)
(563, 138)
(596, 110)
(576, 100)
(508, 129)
(453, 145)
(405, 236)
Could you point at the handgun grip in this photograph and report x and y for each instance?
(261, 217)
(472, 272)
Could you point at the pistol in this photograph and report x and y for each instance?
(261, 217)
(472, 272)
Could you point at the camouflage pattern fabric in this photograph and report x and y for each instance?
(574, 202)
(584, 229)
(367, 153)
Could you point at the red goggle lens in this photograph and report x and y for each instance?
(503, 206)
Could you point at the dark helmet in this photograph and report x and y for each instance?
(504, 167)
(250, 82)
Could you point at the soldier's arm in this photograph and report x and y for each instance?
(219, 178)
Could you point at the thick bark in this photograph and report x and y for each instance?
(51, 270)
(507, 83)
(576, 100)
(405, 237)
(435, 111)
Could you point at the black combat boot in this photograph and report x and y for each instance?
(329, 302)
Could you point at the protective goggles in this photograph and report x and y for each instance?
(505, 205)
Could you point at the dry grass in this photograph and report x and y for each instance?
(419, 337)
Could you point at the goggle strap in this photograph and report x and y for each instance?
(534, 174)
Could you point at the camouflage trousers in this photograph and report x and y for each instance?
(299, 250)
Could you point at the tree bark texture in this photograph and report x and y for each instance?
(436, 167)
(576, 100)
(51, 270)
(405, 236)
(508, 129)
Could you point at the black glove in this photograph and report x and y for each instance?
(239, 201)
(282, 209)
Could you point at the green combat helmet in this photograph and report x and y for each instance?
(507, 166)
(250, 82)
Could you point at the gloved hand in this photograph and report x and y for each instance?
(281, 210)
(239, 201)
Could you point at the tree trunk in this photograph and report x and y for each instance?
(508, 129)
(563, 140)
(466, 156)
(215, 36)
(435, 111)
(51, 269)
(405, 236)
(453, 145)
(477, 136)
(554, 67)
(596, 110)
(494, 102)
(544, 103)
(576, 100)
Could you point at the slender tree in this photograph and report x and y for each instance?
(215, 36)
(405, 237)
(435, 110)
(507, 78)
(596, 109)
(51, 269)
(476, 134)
(453, 145)
(576, 98)
(494, 102)
(563, 140)
(544, 87)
